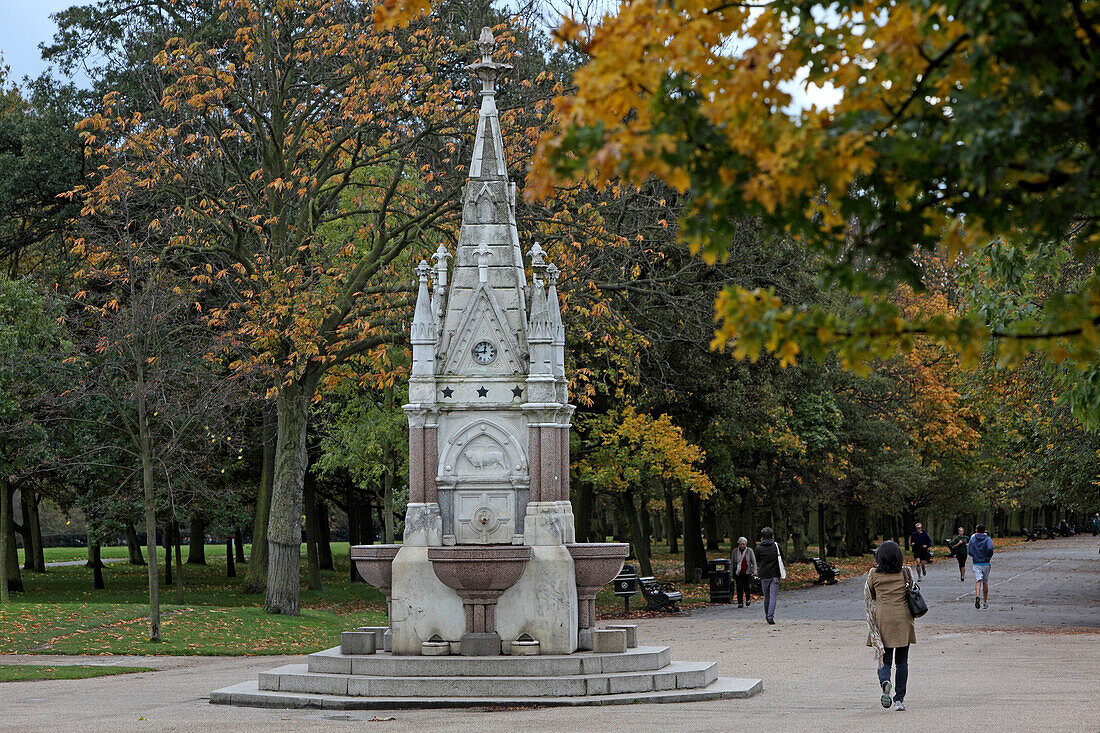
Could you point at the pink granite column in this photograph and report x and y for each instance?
(431, 464)
(564, 440)
(551, 459)
(416, 463)
(534, 462)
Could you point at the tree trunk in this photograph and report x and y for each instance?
(356, 531)
(256, 578)
(324, 547)
(695, 556)
(583, 511)
(798, 521)
(639, 539)
(34, 556)
(95, 562)
(196, 552)
(168, 553)
(5, 530)
(95, 556)
(821, 529)
(672, 528)
(238, 546)
(149, 501)
(176, 535)
(284, 531)
(133, 545)
(657, 526)
(313, 532)
(710, 523)
(230, 560)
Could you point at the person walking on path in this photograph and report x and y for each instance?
(957, 545)
(744, 567)
(891, 625)
(920, 542)
(768, 568)
(980, 549)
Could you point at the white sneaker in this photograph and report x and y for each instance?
(985, 605)
(899, 705)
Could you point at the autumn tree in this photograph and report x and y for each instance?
(869, 131)
(142, 371)
(302, 108)
(635, 457)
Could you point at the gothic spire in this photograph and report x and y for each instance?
(488, 159)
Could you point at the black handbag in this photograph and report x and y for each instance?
(913, 598)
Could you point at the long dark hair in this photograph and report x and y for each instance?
(889, 557)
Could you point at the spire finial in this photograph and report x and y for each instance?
(486, 44)
(487, 70)
(538, 256)
(422, 271)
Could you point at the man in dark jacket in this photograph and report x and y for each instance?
(980, 549)
(920, 542)
(767, 564)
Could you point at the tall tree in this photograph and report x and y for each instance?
(301, 107)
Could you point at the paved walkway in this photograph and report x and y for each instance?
(74, 563)
(1050, 583)
(818, 674)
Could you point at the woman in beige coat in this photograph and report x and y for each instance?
(891, 625)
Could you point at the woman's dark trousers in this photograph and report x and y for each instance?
(743, 593)
(901, 661)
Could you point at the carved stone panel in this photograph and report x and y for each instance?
(484, 517)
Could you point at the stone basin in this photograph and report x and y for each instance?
(375, 564)
(479, 567)
(479, 574)
(595, 564)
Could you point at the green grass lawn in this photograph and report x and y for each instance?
(60, 612)
(33, 672)
(67, 554)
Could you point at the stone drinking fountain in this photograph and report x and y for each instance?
(479, 575)
(490, 598)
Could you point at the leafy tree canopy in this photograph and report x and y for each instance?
(951, 125)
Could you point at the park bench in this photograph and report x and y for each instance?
(827, 573)
(660, 596)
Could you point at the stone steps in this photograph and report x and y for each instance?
(638, 659)
(248, 694)
(675, 675)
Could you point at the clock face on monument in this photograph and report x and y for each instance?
(484, 352)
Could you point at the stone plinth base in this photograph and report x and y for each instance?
(480, 644)
(331, 680)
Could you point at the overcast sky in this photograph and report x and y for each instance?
(23, 25)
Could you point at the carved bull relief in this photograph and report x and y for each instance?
(483, 482)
